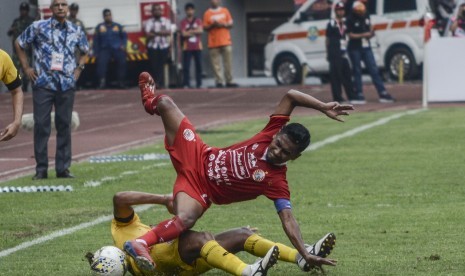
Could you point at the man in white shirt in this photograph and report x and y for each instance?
(158, 32)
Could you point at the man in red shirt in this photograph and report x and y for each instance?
(191, 31)
(243, 171)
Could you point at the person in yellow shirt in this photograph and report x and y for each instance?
(10, 77)
(217, 21)
(194, 253)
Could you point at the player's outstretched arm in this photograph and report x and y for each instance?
(292, 230)
(12, 129)
(123, 202)
(294, 98)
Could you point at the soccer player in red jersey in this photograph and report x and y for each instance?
(240, 172)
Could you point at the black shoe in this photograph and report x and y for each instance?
(232, 84)
(386, 98)
(65, 174)
(219, 85)
(40, 175)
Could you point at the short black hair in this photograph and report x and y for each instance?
(74, 7)
(298, 134)
(189, 6)
(105, 11)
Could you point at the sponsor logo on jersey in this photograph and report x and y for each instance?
(211, 157)
(258, 175)
(188, 134)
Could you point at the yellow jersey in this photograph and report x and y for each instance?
(8, 73)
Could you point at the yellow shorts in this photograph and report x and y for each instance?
(165, 255)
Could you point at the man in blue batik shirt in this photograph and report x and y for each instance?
(54, 75)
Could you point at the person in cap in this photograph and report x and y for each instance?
(73, 11)
(336, 49)
(17, 27)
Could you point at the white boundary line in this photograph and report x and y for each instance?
(64, 232)
(352, 132)
(102, 219)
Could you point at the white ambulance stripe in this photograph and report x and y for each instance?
(352, 132)
(102, 219)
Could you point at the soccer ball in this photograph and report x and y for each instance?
(108, 261)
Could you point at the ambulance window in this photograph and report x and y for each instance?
(319, 10)
(399, 6)
(372, 6)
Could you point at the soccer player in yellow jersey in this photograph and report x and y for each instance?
(10, 77)
(194, 253)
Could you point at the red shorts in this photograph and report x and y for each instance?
(187, 155)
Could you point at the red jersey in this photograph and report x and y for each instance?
(240, 172)
(193, 43)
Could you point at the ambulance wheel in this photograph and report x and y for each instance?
(401, 55)
(287, 70)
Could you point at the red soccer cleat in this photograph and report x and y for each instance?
(147, 91)
(141, 255)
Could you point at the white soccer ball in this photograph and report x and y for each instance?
(109, 261)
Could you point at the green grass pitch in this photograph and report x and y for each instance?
(394, 196)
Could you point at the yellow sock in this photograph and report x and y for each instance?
(218, 257)
(259, 246)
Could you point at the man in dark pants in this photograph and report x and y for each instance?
(191, 30)
(158, 32)
(54, 42)
(110, 41)
(336, 49)
(360, 32)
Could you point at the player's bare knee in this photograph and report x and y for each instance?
(244, 232)
(187, 220)
(204, 237)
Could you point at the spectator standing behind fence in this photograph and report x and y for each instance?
(19, 25)
(458, 24)
(360, 31)
(110, 41)
(9, 75)
(336, 49)
(191, 30)
(158, 32)
(218, 21)
(54, 42)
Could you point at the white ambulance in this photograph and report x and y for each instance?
(300, 43)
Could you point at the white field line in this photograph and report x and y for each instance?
(96, 183)
(64, 232)
(102, 219)
(352, 132)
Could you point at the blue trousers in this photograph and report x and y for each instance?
(103, 59)
(365, 55)
(186, 65)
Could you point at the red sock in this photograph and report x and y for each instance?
(165, 231)
(155, 103)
